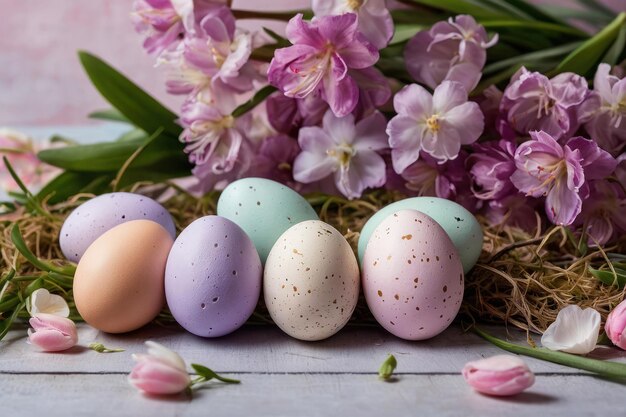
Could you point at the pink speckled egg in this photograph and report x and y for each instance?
(412, 276)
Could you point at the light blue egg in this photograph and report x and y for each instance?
(459, 224)
(264, 209)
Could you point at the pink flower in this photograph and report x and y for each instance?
(52, 333)
(374, 90)
(213, 136)
(452, 50)
(343, 149)
(22, 155)
(533, 102)
(491, 166)
(601, 215)
(500, 375)
(437, 124)
(545, 168)
(374, 19)
(160, 372)
(615, 326)
(604, 111)
(322, 53)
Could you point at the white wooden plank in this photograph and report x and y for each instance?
(305, 395)
(267, 349)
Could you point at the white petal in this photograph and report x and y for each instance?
(574, 331)
(41, 301)
(166, 355)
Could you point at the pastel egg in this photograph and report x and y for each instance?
(94, 217)
(264, 209)
(311, 283)
(118, 285)
(213, 277)
(412, 276)
(460, 225)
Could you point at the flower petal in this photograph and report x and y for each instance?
(41, 301)
(166, 355)
(574, 331)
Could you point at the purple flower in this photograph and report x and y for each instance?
(208, 179)
(452, 50)
(322, 53)
(343, 149)
(275, 158)
(375, 21)
(602, 213)
(437, 124)
(165, 21)
(212, 135)
(287, 114)
(515, 210)
(491, 166)
(533, 102)
(217, 53)
(374, 90)
(545, 168)
(604, 111)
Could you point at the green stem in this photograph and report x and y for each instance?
(603, 368)
(8, 322)
(20, 245)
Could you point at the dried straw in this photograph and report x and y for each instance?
(521, 279)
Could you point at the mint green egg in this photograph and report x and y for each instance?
(459, 224)
(264, 209)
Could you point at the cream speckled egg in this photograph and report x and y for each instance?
(412, 276)
(311, 282)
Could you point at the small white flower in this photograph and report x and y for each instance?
(41, 301)
(574, 331)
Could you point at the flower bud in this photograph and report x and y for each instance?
(499, 375)
(52, 333)
(615, 326)
(161, 371)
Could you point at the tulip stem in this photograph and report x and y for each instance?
(602, 368)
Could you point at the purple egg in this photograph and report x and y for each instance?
(212, 277)
(96, 216)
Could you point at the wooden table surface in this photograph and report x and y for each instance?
(281, 376)
(285, 377)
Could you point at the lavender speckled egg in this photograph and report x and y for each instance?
(212, 277)
(412, 276)
(96, 216)
(311, 283)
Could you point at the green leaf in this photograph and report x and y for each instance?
(110, 156)
(20, 245)
(475, 8)
(208, 374)
(258, 98)
(607, 277)
(281, 42)
(132, 102)
(522, 9)
(110, 115)
(615, 52)
(388, 366)
(532, 57)
(586, 57)
(405, 32)
(70, 183)
(600, 367)
(598, 7)
(496, 25)
(134, 134)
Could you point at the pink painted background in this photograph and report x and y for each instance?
(41, 82)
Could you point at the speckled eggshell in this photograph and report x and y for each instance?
(311, 282)
(213, 277)
(459, 224)
(264, 209)
(118, 284)
(94, 217)
(412, 276)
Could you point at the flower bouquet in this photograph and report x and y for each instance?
(514, 111)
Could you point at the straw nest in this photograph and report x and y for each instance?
(521, 279)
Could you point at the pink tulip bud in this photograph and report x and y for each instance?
(615, 326)
(161, 371)
(52, 333)
(499, 375)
